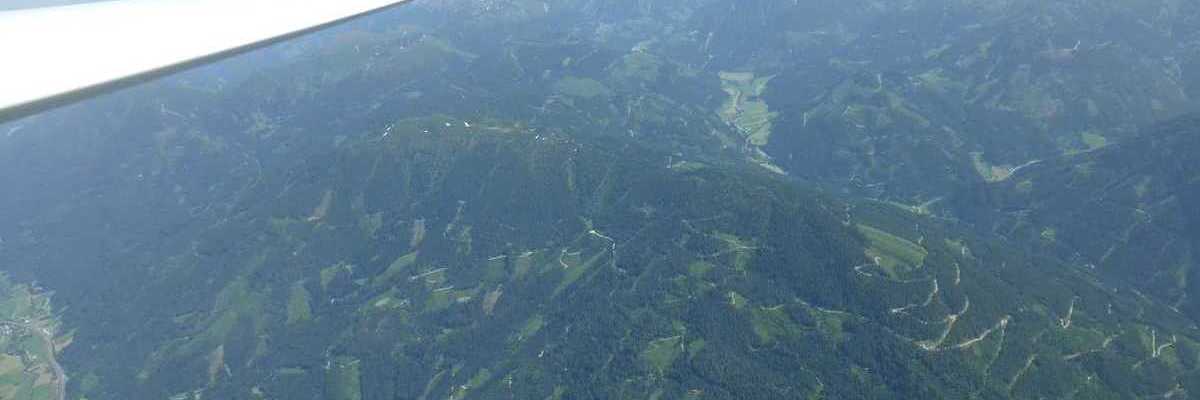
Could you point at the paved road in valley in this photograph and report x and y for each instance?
(60, 376)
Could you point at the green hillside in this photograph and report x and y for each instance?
(576, 200)
(508, 264)
(1124, 210)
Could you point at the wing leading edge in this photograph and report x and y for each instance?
(57, 55)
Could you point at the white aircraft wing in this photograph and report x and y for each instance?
(55, 55)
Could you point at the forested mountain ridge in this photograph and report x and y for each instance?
(926, 103)
(909, 100)
(413, 211)
(489, 262)
(1125, 209)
